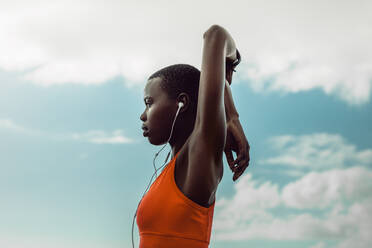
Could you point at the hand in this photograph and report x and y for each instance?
(237, 142)
(230, 66)
(229, 71)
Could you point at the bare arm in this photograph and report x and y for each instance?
(230, 109)
(235, 137)
(207, 141)
(210, 119)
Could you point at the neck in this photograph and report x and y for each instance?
(183, 133)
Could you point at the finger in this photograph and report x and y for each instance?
(239, 172)
(241, 168)
(239, 158)
(243, 156)
(243, 164)
(237, 175)
(230, 159)
(249, 157)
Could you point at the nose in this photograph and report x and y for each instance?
(143, 116)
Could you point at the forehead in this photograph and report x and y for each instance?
(153, 88)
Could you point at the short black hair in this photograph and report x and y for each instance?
(180, 78)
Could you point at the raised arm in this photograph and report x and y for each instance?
(210, 118)
(207, 141)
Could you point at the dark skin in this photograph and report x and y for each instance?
(201, 141)
(235, 138)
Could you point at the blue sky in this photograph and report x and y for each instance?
(74, 163)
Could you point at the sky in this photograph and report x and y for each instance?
(74, 163)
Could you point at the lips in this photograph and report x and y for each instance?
(145, 130)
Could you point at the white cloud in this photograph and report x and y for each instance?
(318, 245)
(286, 46)
(102, 137)
(347, 219)
(320, 190)
(318, 151)
(10, 241)
(10, 125)
(92, 136)
(261, 197)
(331, 201)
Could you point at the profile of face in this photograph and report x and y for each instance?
(157, 117)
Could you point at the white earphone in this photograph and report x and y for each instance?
(180, 105)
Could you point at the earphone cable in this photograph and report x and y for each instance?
(155, 171)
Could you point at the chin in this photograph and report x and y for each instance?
(156, 142)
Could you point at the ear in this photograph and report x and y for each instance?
(184, 97)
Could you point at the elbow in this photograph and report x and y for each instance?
(214, 30)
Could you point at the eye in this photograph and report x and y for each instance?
(147, 103)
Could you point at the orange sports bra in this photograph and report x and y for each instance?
(166, 218)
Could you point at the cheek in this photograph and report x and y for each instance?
(153, 116)
(157, 125)
(158, 117)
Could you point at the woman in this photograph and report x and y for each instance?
(177, 211)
